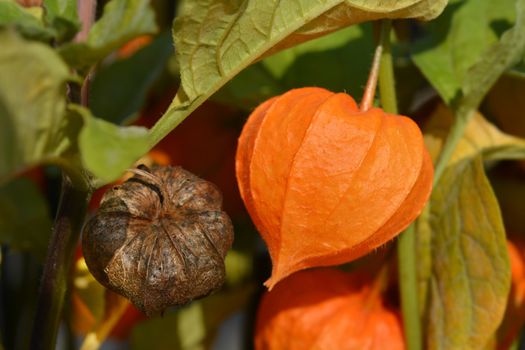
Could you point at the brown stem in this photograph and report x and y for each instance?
(74, 198)
(66, 231)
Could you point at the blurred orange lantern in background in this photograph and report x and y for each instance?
(327, 309)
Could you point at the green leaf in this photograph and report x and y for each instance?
(119, 90)
(457, 39)
(503, 55)
(106, 149)
(63, 17)
(27, 21)
(25, 223)
(478, 80)
(33, 126)
(321, 62)
(215, 40)
(470, 266)
(121, 21)
(192, 327)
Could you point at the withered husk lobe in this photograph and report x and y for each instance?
(159, 250)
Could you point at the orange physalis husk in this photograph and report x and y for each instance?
(327, 309)
(325, 182)
(514, 318)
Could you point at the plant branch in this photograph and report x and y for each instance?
(74, 198)
(406, 242)
(462, 118)
(406, 250)
(66, 231)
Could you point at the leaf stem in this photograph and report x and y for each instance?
(66, 231)
(462, 118)
(406, 242)
(371, 84)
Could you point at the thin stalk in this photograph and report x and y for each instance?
(463, 116)
(406, 242)
(370, 90)
(66, 231)
(406, 250)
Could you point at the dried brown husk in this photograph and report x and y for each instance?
(159, 239)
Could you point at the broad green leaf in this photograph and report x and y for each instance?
(25, 223)
(63, 17)
(192, 327)
(478, 80)
(121, 21)
(215, 40)
(33, 126)
(106, 149)
(503, 55)
(470, 266)
(457, 39)
(119, 90)
(321, 62)
(27, 21)
(479, 137)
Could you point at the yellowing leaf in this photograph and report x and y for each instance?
(480, 137)
(470, 265)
